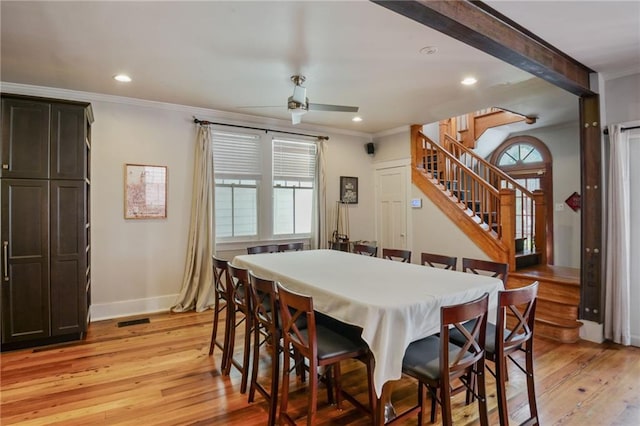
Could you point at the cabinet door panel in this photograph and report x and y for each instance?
(25, 139)
(68, 305)
(25, 259)
(67, 141)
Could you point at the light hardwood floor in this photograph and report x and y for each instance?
(160, 374)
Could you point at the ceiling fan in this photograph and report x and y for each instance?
(298, 103)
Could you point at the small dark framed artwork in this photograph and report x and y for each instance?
(349, 190)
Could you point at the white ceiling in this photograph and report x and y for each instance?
(229, 56)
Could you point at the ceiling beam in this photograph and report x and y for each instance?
(478, 25)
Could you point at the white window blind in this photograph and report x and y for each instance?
(236, 155)
(294, 160)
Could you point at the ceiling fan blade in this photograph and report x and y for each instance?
(261, 106)
(337, 108)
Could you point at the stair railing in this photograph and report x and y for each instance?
(526, 214)
(480, 199)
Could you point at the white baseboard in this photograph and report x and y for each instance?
(635, 341)
(124, 308)
(592, 331)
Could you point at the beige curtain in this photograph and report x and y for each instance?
(319, 233)
(197, 289)
(617, 320)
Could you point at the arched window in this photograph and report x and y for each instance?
(528, 160)
(519, 154)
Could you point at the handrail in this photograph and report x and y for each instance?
(488, 165)
(526, 217)
(479, 197)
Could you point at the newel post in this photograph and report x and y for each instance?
(540, 231)
(508, 223)
(416, 147)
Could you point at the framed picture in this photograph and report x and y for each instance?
(145, 191)
(349, 190)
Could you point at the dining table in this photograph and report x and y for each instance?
(394, 303)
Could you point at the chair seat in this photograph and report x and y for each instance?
(350, 331)
(332, 344)
(422, 357)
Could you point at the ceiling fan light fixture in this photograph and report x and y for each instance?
(299, 94)
(296, 115)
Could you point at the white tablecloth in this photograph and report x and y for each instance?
(395, 303)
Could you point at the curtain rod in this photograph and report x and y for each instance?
(622, 129)
(206, 123)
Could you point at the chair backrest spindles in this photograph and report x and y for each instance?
(365, 250)
(220, 277)
(397, 254)
(267, 248)
(439, 260)
(458, 361)
(521, 303)
(486, 267)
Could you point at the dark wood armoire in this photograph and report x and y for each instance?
(45, 220)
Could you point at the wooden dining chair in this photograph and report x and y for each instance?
(365, 250)
(486, 267)
(222, 301)
(321, 346)
(267, 248)
(267, 333)
(439, 261)
(291, 247)
(512, 335)
(512, 332)
(241, 299)
(403, 256)
(436, 363)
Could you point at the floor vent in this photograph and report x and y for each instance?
(133, 322)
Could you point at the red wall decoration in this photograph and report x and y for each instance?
(574, 201)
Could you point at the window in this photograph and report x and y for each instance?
(247, 207)
(293, 178)
(520, 153)
(237, 165)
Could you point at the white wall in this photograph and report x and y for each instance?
(137, 265)
(393, 145)
(434, 232)
(622, 102)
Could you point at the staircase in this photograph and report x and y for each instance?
(558, 300)
(481, 200)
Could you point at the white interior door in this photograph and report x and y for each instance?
(391, 208)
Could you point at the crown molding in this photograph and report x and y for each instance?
(390, 132)
(201, 113)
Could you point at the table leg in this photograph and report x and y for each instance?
(385, 409)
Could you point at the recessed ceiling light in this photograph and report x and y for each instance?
(469, 81)
(356, 119)
(123, 78)
(429, 50)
